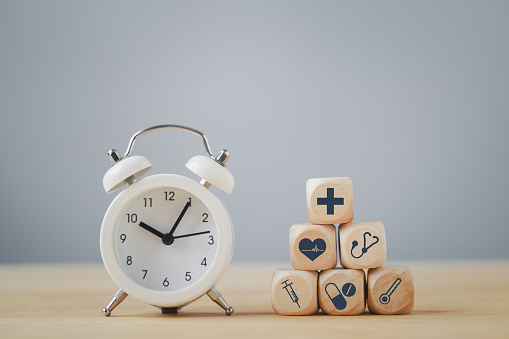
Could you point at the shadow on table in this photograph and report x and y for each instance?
(240, 314)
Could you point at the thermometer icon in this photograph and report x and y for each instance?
(385, 298)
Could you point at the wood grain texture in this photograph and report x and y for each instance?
(458, 300)
(356, 231)
(317, 189)
(390, 290)
(326, 259)
(294, 292)
(331, 286)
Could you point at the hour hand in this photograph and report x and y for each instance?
(151, 230)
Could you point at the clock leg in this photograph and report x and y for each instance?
(218, 299)
(117, 299)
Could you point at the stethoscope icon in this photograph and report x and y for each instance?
(364, 248)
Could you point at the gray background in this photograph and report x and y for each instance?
(409, 99)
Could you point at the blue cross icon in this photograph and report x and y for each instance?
(330, 201)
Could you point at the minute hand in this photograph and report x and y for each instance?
(179, 218)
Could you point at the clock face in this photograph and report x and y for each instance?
(166, 239)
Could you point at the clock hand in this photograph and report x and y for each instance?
(190, 235)
(179, 219)
(151, 230)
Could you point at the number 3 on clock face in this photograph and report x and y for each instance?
(166, 240)
(150, 254)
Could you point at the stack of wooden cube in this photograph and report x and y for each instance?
(315, 282)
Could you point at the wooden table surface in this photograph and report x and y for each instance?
(451, 300)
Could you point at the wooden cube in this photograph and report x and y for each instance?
(342, 291)
(390, 290)
(313, 247)
(294, 292)
(362, 244)
(329, 200)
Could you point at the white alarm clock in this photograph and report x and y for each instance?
(166, 239)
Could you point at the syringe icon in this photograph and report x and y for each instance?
(289, 289)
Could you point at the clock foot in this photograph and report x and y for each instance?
(169, 310)
(117, 299)
(218, 299)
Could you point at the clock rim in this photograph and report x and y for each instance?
(214, 273)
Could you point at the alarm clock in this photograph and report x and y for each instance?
(167, 239)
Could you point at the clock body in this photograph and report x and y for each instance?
(166, 273)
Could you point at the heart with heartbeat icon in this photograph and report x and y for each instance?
(312, 249)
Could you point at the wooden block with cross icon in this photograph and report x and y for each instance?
(342, 291)
(329, 200)
(362, 244)
(294, 292)
(390, 290)
(313, 247)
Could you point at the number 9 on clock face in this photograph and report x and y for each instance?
(166, 239)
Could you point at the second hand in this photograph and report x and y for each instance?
(190, 234)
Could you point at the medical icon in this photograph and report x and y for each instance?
(289, 289)
(338, 299)
(348, 289)
(385, 298)
(364, 248)
(312, 249)
(330, 201)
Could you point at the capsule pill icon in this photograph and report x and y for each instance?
(334, 294)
